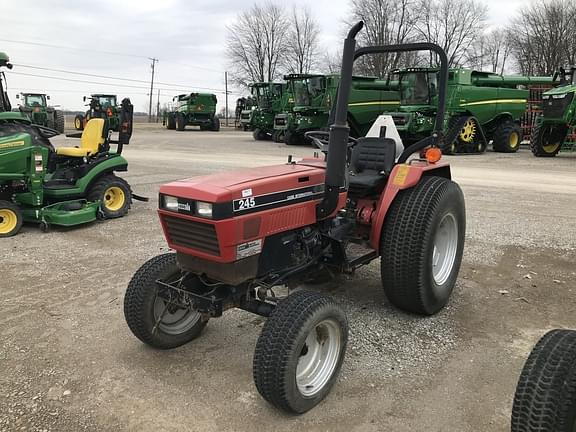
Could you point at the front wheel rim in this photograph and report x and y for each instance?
(445, 248)
(319, 357)
(114, 198)
(173, 320)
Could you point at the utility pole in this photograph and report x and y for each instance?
(158, 107)
(154, 60)
(226, 89)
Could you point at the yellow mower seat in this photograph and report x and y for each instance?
(90, 142)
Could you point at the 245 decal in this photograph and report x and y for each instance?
(243, 204)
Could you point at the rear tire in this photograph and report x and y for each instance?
(546, 140)
(300, 351)
(79, 122)
(144, 308)
(11, 219)
(290, 138)
(59, 121)
(545, 398)
(180, 122)
(507, 137)
(422, 244)
(114, 195)
(216, 124)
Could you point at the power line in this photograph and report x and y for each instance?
(178, 86)
(71, 48)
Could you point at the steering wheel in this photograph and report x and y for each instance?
(320, 140)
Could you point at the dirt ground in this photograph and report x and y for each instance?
(68, 361)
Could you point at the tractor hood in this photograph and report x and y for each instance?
(252, 182)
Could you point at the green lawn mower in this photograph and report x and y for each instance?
(63, 186)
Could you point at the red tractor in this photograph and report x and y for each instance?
(238, 235)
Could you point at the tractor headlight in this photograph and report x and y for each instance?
(170, 203)
(204, 209)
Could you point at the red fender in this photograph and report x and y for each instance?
(403, 176)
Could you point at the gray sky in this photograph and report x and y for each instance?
(186, 36)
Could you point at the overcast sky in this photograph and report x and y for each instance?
(186, 36)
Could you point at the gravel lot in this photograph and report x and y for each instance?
(68, 361)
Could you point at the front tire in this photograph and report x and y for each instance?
(545, 398)
(546, 140)
(114, 195)
(59, 121)
(170, 122)
(300, 351)
(259, 134)
(11, 219)
(216, 124)
(79, 122)
(422, 244)
(507, 137)
(148, 313)
(180, 122)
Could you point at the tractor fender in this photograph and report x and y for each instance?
(106, 166)
(403, 176)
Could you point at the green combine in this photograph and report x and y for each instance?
(193, 109)
(313, 99)
(100, 106)
(270, 100)
(35, 107)
(481, 107)
(558, 116)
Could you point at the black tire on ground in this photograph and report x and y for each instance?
(300, 351)
(507, 137)
(421, 245)
(290, 138)
(180, 122)
(215, 124)
(278, 136)
(170, 122)
(11, 219)
(546, 140)
(50, 122)
(259, 135)
(545, 398)
(146, 312)
(114, 194)
(79, 122)
(59, 121)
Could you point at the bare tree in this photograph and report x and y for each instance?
(490, 52)
(256, 44)
(331, 63)
(452, 24)
(386, 22)
(542, 37)
(301, 56)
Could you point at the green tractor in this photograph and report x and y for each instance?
(65, 186)
(481, 107)
(271, 99)
(558, 116)
(244, 112)
(100, 106)
(194, 109)
(35, 107)
(313, 99)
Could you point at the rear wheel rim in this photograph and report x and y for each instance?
(114, 198)
(8, 221)
(319, 357)
(445, 248)
(513, 140)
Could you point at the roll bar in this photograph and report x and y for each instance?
(339, 130)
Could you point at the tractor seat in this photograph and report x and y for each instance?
(90, 142)
(370, 165)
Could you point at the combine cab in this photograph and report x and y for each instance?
(313, 99)
(193, 109)
(271, 99)
(35, 107)
(482, 107)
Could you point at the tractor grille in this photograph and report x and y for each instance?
(555, 108)
(194, 235)
(280, 121)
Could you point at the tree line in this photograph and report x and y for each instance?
(267, 41)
